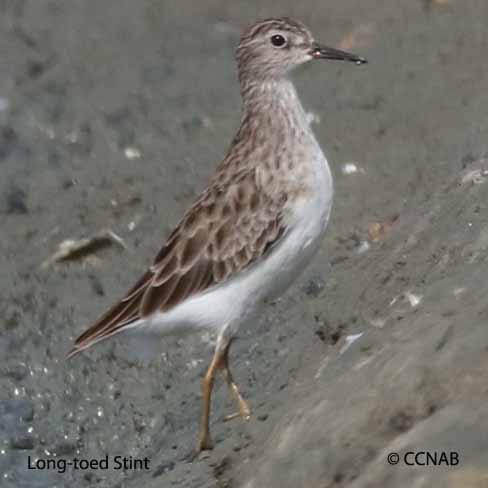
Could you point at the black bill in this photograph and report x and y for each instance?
(324, 52)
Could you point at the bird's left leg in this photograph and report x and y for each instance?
(244, 410)
(204, 441)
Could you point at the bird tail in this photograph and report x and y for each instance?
(123, 315)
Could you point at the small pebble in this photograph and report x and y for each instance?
(349, 168)
(363, 247)
(132, 152)
(314, 287)
(17, 372)
(65, 448)
(22, 441)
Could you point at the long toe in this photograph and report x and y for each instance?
(244, 412)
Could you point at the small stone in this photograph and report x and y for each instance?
(65, 448)
(80, 140)
(17, 372)
(132, 152)
(22, 440)
(349, 168)
(314, 287)
(164, 468)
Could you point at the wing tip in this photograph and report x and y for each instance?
(72, 352)
(76, 349)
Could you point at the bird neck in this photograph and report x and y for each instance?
(272, 115)
(274, 128)
(272, 102)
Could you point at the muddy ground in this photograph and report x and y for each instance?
(113, 113)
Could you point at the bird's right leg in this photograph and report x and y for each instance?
(244, 410)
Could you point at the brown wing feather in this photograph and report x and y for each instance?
(227, 229)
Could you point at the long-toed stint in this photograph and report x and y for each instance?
(256, 225)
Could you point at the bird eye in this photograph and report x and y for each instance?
(278, 40)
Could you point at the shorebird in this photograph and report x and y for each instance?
(256, 225)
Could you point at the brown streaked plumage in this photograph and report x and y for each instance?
(229, 227)
(254, 227)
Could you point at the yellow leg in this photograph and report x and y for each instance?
(204, 441)
(220, 360)
(244, 410)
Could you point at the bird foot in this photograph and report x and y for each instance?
(244, 412)
(204, 444)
